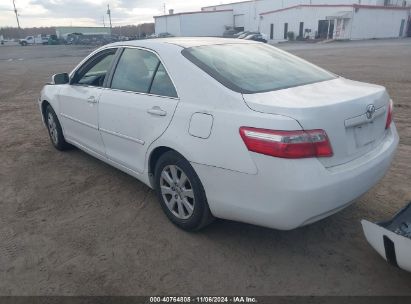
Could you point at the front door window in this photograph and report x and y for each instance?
(94, 72)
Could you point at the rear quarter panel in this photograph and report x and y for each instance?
(200, 93)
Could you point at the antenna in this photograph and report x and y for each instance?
(109, 16)
(17, 16)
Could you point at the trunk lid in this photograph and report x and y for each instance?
(339, 107)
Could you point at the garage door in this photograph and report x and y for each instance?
(239, 20)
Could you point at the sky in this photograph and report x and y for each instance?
(90, 12)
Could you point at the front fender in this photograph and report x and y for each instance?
(49, 94)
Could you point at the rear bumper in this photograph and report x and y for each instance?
(286, 194)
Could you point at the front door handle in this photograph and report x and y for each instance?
(157, 111)
(91, 99)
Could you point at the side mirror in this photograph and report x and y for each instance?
(62, 78)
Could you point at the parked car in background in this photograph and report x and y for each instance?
(239, 34)
(30, 40)
(164, 35)
(256, 37)
(225, 128)
(230, 33)
(124, 38)
(85, 39)
(72, 38)
(247, 33)
(106, 39)
(53, 40)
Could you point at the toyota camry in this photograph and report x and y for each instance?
(225, 128)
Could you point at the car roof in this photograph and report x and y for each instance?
(184, 42)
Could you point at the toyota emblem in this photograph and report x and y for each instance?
(370, 111)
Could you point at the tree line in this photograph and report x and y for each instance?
(141, 30)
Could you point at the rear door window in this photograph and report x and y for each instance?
(135, 71)
(142, 72)
(162, 84)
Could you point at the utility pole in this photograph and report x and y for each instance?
(164, 8)
(109, 17)
(104, 22)
(17, 16)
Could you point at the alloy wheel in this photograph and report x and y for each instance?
(52, 128)
(177, 192)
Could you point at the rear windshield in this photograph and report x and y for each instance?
(254, 68)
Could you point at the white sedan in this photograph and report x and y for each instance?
(225, 128)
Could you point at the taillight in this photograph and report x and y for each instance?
(389, 115)
(287, 144)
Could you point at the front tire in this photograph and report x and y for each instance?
(55, 131)
(180, 192)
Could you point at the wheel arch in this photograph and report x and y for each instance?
(154, 156)
(44, 105)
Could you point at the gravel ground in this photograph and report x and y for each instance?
(72, 225)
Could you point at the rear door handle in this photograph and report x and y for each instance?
(91, 99)
(157, 111)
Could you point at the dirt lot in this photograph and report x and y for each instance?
(72, 225)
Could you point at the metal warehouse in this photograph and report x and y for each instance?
(301, 19)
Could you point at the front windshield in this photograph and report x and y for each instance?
(255, 67)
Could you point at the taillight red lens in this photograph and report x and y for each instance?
(389, 115)
(287, 144)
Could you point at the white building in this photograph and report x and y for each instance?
(335, 22)
(191, 24)
(331, 19)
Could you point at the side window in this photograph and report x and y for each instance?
(162, 84)
(135, 71)
(95, 72)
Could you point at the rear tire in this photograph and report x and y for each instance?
(55, 131)
(180, 192)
